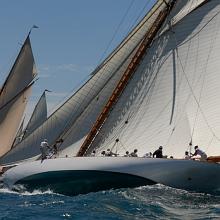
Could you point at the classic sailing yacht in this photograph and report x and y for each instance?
(14, 95)
(158, 87)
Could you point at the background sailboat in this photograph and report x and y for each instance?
(37, 118)
(14, 95)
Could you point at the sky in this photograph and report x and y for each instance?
(72, 39)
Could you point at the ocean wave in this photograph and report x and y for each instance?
(147, 202)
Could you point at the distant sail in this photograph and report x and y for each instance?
(38, 116)
(14, 94)
(74, 118)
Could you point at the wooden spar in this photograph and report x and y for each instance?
(147, 40)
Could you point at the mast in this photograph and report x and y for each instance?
(135, 61)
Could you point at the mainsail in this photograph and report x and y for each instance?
(13, 99)
(172, 98)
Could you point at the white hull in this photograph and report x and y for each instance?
(86, 174)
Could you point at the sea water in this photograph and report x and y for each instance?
(148, 202)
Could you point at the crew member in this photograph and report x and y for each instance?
(187, 157)
(199, 154)
(127, 154)
(134, 153)
(45, 149)
(159, 152)
(109, 153)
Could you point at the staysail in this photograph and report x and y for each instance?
(73, 120)
(178, 79)
(38, 116)
(13, 99)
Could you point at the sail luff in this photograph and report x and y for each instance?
(148, 38)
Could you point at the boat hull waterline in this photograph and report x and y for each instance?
(80, 175)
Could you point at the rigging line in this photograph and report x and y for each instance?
(107, 142)
(194, 96)
(113, 146)
(116, 30)
(210, 142)
(203, 82)
(209, 21)
(140, 13)
(128, 38)
(123, 146)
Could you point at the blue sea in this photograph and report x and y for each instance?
(148, 202)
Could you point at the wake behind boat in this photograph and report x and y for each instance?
(79, 175)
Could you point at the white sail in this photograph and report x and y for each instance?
(173, 96)
(38, 116)
(76, 116)
(186, 9)
(13, 99)
(10, 124)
